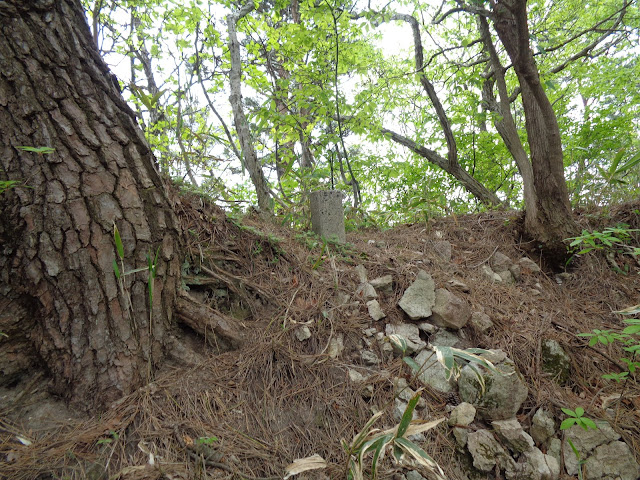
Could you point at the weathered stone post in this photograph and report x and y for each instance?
(327, 214)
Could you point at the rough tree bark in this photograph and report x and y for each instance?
(549, 220)
(56, 229)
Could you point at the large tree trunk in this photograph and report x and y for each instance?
(265, 203)
(549, 221)
(56, 229)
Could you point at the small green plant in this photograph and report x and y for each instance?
(207, 440)
(373, 441)
(113, 437)
(38, 150)
(7, 184)
(615, 239)
(629, 338)
(576, 417)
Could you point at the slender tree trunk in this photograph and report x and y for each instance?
(56, 230)
(551, 221)
(242, 127)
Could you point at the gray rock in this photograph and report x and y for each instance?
(513, 435)
(427, 327)
(454, 283)
(450, 311)
(481, 321)
(336, 346)
(413, 475)
(528, 265)
(462, 414)
(506, 277)
(555, 449)
(612, 461)
(433, 372)
(494, 355)
(555, 361)
(369, 358)
(362, 273)
(356, 377)
(516, 271)
(302, 333)
(383, 284)
(542, 426)
(370, 332)
(535, 465)
(444, 338)
(420, 297)
(443, 249)
(375, 311)
(410, 333)
(499, 262)
(487, 452)
(490, 274)
(366, 291)
(406, 393)
(504, 392)
(461, 435)
(585, 441)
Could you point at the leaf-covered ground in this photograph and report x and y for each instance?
(249, 413)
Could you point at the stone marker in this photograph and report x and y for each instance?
(327, 214)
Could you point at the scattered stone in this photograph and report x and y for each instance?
(516, 271)
(356, 377)
(366, 291)
(342, 298)
(499, 262)
(302, 333)
(614, 460)
(461, 435)
(443, 249)
(542, 426)
(502, 393)
(410, 333)
(370, 332)
(555, 449)
(413, 475)
(383, 284)
(420, 297)
(459, 284)
(444, 338)
(362, 273)
(529, 265)
(450, 311)
(490, 274)
(336, 346)
(563, 277)
(427, 327)
(506, 277)
(494, 355)
(433, 372)
(555, 361)
(585, 441)
(462, 415)
(399, 406)
(487, 452)
(369, 358)
(375, 311)
(513, 435)
(535, 465)
(406, 393)
(481, 321)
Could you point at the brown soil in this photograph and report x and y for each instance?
(277, 398)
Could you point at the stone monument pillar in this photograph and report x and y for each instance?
(327, 214)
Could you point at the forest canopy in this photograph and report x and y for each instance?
(333, 94)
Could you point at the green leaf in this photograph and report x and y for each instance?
(568, 423)
(118, 240)
(38, 150)
(116, 270)
(407, 416)
(579, 411)
(568, 412)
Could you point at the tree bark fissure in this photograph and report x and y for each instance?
(57, 233)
